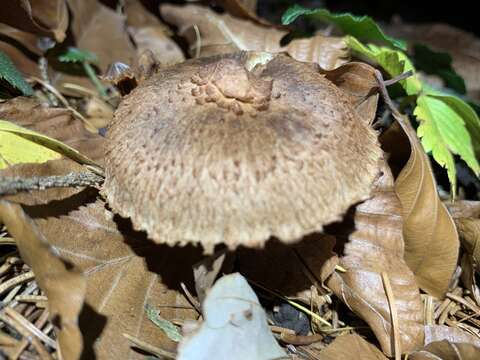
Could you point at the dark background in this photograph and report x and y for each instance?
(463, 14)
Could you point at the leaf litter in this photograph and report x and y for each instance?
(388, 278)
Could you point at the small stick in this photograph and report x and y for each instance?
(30, 327)
(393, 315)
(20, 279)
(13, 185)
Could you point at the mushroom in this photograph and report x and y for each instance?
(236, 149)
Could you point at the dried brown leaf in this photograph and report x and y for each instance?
(101, 30)
(464, 209)
(351, 346)
(21, 47)
(63, 284)
(435, 333)
(149, 33)
(122, 277)
(54, 122)
(123, 272)
(357, 80)
(209, 33)
(431, 240)
(243, 9)
(42, 17)
(444, 350)
(376, 246)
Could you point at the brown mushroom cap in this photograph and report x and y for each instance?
(210, 152)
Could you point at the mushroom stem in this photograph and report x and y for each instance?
(13, 185)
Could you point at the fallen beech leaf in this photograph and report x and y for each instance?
(431, 239)
(244, 9)
(435, 333)
(222, 34)
(149, 33)
(357, 80)
(464, 209)
(123, 274)
(467, 219)
(445, 350)
(376, 246)
(235, 326)
(351, 346)
(43, 17)
(63, 284)
(90, 19)
(53, 122)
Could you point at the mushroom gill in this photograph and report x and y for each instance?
(216, 150)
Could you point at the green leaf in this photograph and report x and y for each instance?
(469, 116)
(76, 55)
(362, 27)
(439, 63)
(21, 145)
(444, 134)
(394, 62)
(10, 74)
(170, 330)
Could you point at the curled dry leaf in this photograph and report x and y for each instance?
(53, 122)
(209, 33)
(148, 33)
(63, 284)
(376, 246)
(445, 350)
(268, 131)
(351, 346)
(43, 17)
(431, 239)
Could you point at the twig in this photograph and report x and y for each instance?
(397, 346)
(398, 78)
(43, 66)
(13, 185)
(20, 279)
(62, 99)
(30, 327)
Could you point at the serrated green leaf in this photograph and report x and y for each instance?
(469, 116)
(361, 27)
(10, 74)
(444, 134)
(21, 145)
(440, 64)
(76, 55)
(394, 62)
(170, 329)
